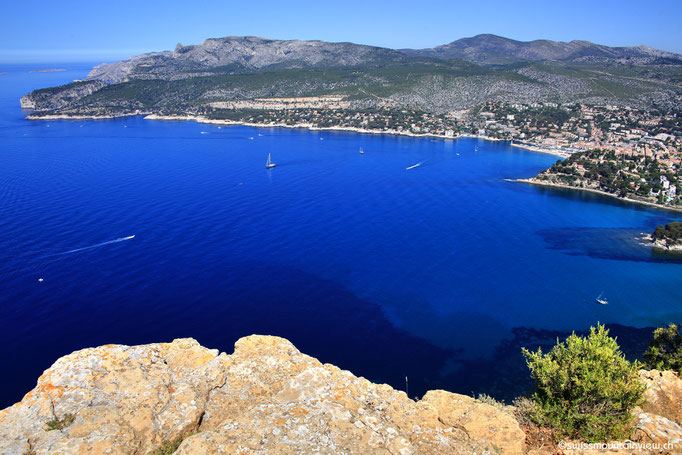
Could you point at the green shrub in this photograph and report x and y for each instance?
(168, 447)
(487, 399)
(58, 423)
(585, 388)
(665, 350)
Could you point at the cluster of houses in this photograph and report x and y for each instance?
(668, 190)
(623, 130)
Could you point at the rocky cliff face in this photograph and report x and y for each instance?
(266, 397)
(59, 97)
(118, 72)
(244, 53)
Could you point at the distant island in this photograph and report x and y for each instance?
(48, 70)
(614, 113)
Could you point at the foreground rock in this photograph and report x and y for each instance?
(266, 397)
(663, 395)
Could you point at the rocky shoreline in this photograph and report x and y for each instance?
(534, 181)
(82, 117)
(663, 245)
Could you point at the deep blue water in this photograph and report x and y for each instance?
(427, 273)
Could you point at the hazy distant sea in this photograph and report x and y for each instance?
(438, 273)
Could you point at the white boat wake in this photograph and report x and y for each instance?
(414, 165)
(121, 239)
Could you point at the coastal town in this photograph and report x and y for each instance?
(551, 127)
(563, 129)
(619, 151)
(569, 129)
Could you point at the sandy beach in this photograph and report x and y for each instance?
(534, 148)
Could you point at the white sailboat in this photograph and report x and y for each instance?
(362, 152)
(269, 164)
(602, 300)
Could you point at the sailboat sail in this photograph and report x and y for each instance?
(269, 164)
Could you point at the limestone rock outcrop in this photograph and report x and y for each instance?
(269, 398)
(266, 397)
(59, 97)
(663, 396)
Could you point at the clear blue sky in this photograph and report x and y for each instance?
(42, 30)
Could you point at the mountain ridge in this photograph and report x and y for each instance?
(489, 49)
(251, 53)
(459, 75)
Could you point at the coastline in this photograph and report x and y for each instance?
(536, 149)
(532, 181)
(663, 245)
(312, 127)
(81, 117)
(309, 126)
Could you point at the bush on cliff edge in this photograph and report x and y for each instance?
(665, 350)
(585, 388)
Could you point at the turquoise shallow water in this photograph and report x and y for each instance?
(388, 272)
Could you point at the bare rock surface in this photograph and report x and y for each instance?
(652, 428)
(478, 420)
(269, 398)
(59, 97)
(663, 396)
(244, 53)
(266, 397)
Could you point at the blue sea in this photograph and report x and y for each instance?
(439, 273)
